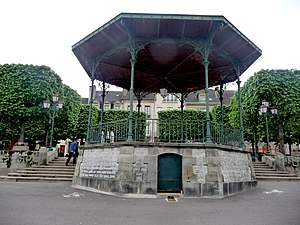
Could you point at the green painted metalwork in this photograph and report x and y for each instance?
(267, 131)
(145, 41)
(139, 96)
(132, 61)
(240, 107)
(117, 131)
(104, 89)
(90, 113)
(170, 131)
(222, 111)
(208, 133)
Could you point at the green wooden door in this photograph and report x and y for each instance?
(169, 173)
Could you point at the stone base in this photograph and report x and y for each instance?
(207, 171)
(206, 190)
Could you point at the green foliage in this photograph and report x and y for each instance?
(138, 126)
(114, 115)
(82, 121)
(67, 117)
(23, 88)
(217, 114)
(281, 89)
(176, 124)
(234, 112)
(184, 115)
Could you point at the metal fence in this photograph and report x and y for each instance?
(153, 130)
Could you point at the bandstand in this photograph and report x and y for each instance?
(159, 53)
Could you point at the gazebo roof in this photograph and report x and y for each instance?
(169, 50)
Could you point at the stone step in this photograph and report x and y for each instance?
(260, 165)
(46, 172)
(278, 178)
(55, 171)
(55, 167)
(49, 179)
(40, 175)
(276, 174)
(51, 169)
(271, 171)
(60, 161)
(264, 169)
(264, 172)
(57, 163)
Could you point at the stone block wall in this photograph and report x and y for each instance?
(208, 170)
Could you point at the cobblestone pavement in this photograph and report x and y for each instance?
(39, 203)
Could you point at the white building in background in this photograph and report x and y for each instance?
(152, 103)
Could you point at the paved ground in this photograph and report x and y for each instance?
(38, 203)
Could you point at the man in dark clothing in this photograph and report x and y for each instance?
(72, 152)
(31, 144)
(76, 153)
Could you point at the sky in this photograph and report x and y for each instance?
(42, 32)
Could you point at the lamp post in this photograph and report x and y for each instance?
(104, 90)
(55, 106)
(263, 111)
(219, 94)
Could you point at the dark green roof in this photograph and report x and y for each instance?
(169, 51)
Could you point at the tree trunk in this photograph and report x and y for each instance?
(22, 133)
(281, 141)
(46, 139)
(255, 141)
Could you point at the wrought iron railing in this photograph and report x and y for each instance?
(153, 130)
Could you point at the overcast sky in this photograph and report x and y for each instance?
(41, 32)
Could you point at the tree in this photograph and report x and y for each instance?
(68, 115)
(281, 89)
(217, 114)
(23, 88)
(82, 121)
(172, 124)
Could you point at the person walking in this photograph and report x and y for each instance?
(72, 152)
(76, 152)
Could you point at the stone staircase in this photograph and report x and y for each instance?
(55, 171)
(264, 172)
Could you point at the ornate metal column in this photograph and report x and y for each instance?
(220, 95)
(103, 87)
(132, 61)
(208, 122)
(140, 95)
(90, 113)
(237, 68)
(182, 98)
(139, 100)
(91, 106)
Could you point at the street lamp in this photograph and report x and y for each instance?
(263, 111)
(55, 106)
